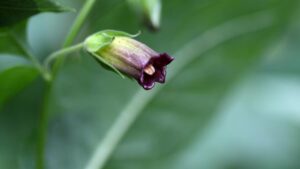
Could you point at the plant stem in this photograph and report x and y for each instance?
(43, 123)
(74, 31)
(119, 128)
(57, 55)
(42, 128)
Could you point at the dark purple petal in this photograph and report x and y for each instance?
(146, 81)
(162, 60)
(160, 75)
(159, 63)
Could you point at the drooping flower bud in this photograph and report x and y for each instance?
(125, 55)
(149, 11)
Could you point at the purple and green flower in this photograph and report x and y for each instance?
(125, 55)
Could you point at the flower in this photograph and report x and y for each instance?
(134, 59)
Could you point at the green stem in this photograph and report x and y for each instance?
(74, 31)
(119, 128)
(79, 21)
(42, 130)
(57, 55)
(43, 123)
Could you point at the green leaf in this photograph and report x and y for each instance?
(13, 43)
(18, 122)
(13, 39)
(13, 11)
(215, 43)
(205, 68)
(15, 74)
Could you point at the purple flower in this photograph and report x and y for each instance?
(136, 60)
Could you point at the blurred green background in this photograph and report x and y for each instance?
(232, 100)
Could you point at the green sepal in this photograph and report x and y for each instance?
(103, 38)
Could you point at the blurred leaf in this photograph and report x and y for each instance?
(13, 39)
(183, 108)
(15, 74)
(285, 57)
(255, 128)
(13, 43)
(87, 99)
(13, 11)
(18, 122)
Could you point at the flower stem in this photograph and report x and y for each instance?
(43, 121)
(57, 55)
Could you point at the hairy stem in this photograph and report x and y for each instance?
(43, 121)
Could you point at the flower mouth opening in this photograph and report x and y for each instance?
(154, 71)
(149, 69)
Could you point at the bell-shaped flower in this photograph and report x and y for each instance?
(122, 53)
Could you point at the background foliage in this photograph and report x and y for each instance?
(231, 99)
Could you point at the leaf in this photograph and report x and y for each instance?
(215, 43)
(261, 136)
(18, 122)
(171, 117)
(13, 43)
(13, 39)
(13, 11)
(15, 74)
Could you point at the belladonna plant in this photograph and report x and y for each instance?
(120, 52)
